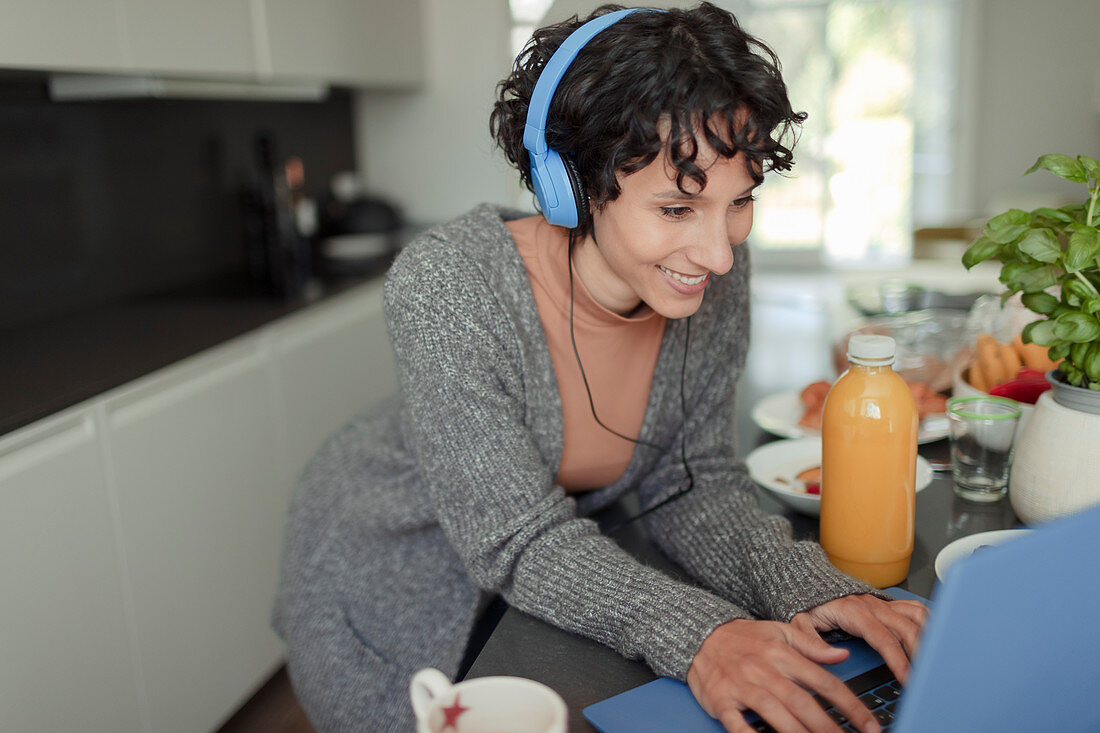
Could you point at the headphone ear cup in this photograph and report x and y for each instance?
(576, 183)
(553, 184)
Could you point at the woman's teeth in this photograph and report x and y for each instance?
(683, 278)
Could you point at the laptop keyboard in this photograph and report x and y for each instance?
(877, 688)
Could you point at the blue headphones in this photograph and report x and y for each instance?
(558, 187)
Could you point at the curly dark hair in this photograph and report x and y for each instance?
(675, 72)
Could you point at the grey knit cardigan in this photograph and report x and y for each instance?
(411, 513)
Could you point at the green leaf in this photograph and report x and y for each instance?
(1076, 327)
(1038, 279)
(1084, 245)
(1092, 165)
(1079, 212)
(1092, 363)
(1074, 289)
(1039, 332)
(1092, 306)
(1062, 166)
(1059, 350)
(1005, 234)
(1049, 213)
(1012, 272)
(981, 250)
(1061, 309)
(1040, 244)
(1012, 216)
(1042, 303)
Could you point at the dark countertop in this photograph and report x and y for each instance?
(54, 364)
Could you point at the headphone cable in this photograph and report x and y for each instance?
(690, 484)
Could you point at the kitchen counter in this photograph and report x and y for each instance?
(56, 363)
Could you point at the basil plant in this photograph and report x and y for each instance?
(1052, 256)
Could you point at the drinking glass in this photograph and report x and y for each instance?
(982, 428)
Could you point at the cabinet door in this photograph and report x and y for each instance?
(369, 42)
(331, 361)
(193, 452)
(61, 34)
(193, 37)
(66, 655)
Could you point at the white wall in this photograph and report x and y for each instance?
(1039, 81)
(430, 150)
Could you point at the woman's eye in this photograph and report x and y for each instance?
(675, 212)
(743, 202)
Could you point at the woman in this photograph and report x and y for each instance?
(546, 371)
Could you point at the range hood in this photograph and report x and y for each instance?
(88, 87)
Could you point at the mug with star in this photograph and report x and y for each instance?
(485, 705)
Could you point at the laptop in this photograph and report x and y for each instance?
(1012, 644)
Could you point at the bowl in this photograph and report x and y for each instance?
(775, 465)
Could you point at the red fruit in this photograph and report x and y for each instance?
(813, 488)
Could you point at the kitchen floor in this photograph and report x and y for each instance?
(273, 709)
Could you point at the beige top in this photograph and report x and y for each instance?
(619, 355)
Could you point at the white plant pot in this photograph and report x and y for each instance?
(1056, 468)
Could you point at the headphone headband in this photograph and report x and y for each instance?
(556, 187)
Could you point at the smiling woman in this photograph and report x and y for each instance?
(478, 480)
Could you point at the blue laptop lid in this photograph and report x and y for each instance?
(1014, 641)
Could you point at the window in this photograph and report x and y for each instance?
(877, 78)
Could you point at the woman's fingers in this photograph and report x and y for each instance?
(805, 639)
(830, 688)
(889, 647)
(892, 628)
(776, 711)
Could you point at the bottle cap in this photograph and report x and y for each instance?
(865, 347)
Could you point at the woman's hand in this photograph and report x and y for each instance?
(774, 669)
(892, 628)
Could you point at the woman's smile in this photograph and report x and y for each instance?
(685, 284)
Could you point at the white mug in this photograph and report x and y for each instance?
(485, 705)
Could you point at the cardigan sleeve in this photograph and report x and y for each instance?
(717, 531)
(516, 531)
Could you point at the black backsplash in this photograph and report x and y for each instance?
(104, 201)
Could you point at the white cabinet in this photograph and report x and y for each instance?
(140, 534)
(194, 452)
(65, 654)
(364, 42)
(62, 34)
(376, 43)
(330, 362)
(196, 37)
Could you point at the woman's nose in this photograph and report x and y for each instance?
(714, 251)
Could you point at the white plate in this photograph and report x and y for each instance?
(779, 414)
(965, 546)
(770, 464)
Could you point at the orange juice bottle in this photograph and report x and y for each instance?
(868, 466)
